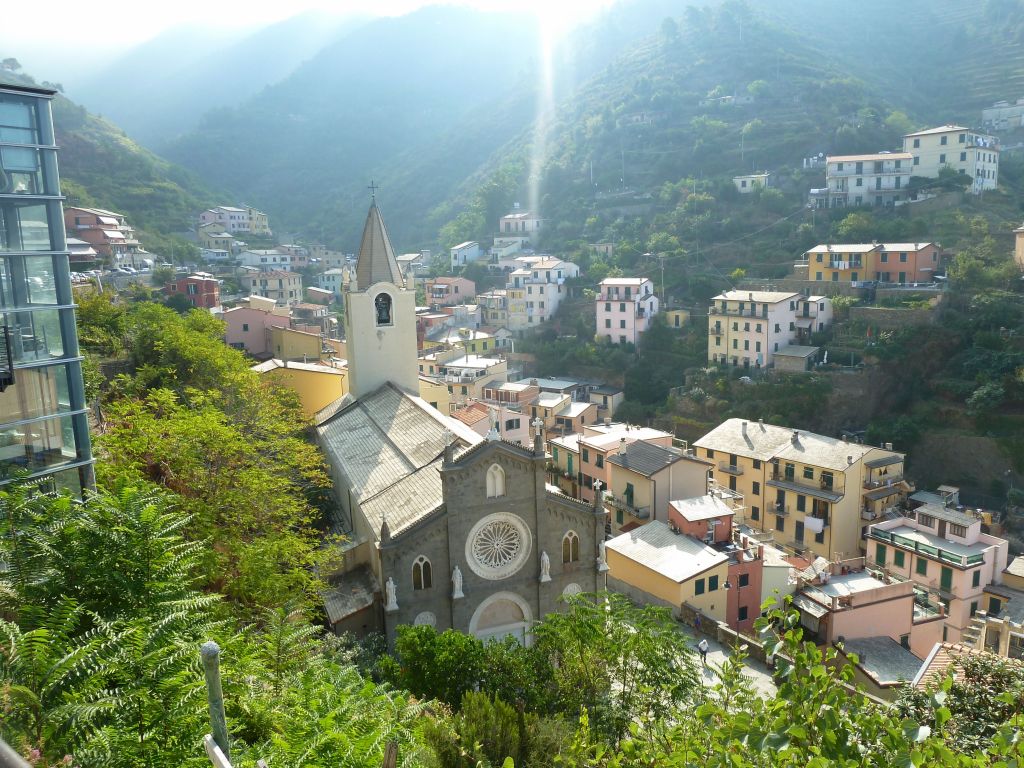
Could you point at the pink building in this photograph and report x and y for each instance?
(598, 441)
(625, 307)
(201, 289)
(846, 601)
(447, 291)
(944, 553)
(248, 326)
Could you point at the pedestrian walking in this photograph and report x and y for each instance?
(702, 648)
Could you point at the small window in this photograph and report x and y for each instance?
(742, 613)
(976, 579)
(570, 547)
(926, 520)
(495, 482)
(808, 473)
(922, 567)
(957, 530)
(383, 306)
(712, 583)
(421, 576)
(698, 587)
(899, 558)
(757, 462)
(744, 579)
(756, 488)
(755, 513)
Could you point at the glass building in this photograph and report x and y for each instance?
(44, 430)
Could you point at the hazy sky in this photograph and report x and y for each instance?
(68, 46)
(133, 21)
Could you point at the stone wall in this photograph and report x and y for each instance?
(892, 318)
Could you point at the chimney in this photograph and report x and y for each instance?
(849, 459)
(607, 421)
(888, 446)
(750, 297)
(796, 437)
(743, 427)
(760, 551)
(761, 422)
(622, 446)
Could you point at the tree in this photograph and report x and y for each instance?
(11, 64)
(436, 665)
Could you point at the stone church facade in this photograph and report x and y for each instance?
(518, 545)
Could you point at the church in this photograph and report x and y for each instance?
(439, 525)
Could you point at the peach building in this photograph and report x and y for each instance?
(944, 552)
(446, 291)
(843, 601)
(881, 262)
(625, 307)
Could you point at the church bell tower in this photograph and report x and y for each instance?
(380, 317)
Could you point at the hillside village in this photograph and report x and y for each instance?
(368, 458)
(709, 528)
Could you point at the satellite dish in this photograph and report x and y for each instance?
(821, 154)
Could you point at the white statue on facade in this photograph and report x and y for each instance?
(545, 567)
(457, 583)
(602, 563)
(392, 599)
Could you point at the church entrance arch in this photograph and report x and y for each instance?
(503, 614)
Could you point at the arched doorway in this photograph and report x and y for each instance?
(503, 614)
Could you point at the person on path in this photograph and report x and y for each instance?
(702, 648)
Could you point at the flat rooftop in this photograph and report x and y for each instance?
(672, 555)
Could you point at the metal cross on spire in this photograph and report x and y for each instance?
(373, 189)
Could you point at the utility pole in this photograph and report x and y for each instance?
(661, 260)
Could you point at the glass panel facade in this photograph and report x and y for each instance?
(44, 429)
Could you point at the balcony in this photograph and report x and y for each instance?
(846, 265)
(730, 469)
(781, 510)
(937, 553)
(640, 513)
(819, 489)
(736, 312)
(716, 330)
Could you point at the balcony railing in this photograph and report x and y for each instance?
(780, 509)
(736, 312)
(716, 330)
(730, 469)
(943, 555)
(641, 513)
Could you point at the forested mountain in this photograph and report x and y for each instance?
(162, 87)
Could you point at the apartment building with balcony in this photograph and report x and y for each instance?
(446, 291)
(106, 231)
(625, 307)
(534, 292)
(643, 478)
(44, 427)
(873, 179)
(881, 262)
(234, 220)
(267, 259)
(942, 550)
(469, 375)
(813, 493)
(608, 399)
(954, 146)
(746, 328)
(493, 308)
(281, 286)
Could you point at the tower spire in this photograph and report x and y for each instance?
(376, 262)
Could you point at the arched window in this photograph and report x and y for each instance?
(570, 547)
(383, 306)
(495, 482)
(421, 578)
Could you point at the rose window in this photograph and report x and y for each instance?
(498, 546)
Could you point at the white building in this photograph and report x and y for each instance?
(269, 259)
(465, 253)
(625, 307)
(234, 219)
(519, 223)
(751, 181)
(746, 328)
(852, 180)
(963, 150)
(1004, 116)
(535, 292)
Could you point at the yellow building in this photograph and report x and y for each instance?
(848, 263)
(677, 318)
(653, 563)
(643, 478)
(289, 344)
(316, 384)
(815, 494)
(1018, 247)
(436, 393)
